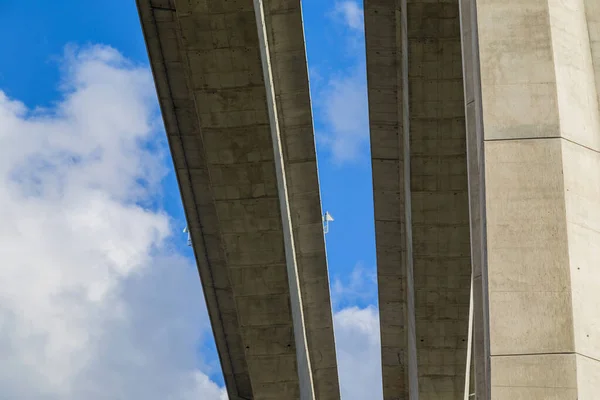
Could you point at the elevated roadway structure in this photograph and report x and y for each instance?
(420, 184)
(485, 137)
(232, 83)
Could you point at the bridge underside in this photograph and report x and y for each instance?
(485, 140)
(418, 147)
(235, 101)
(486, 160)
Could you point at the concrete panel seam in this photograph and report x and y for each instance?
(551, 353)
(545, 138)
(162, 8)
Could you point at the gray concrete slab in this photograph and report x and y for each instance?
(207, 65)
(386, 116)
(290, 79)
(421, 194)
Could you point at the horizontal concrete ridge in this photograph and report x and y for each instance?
(228, 130)
(418, 150)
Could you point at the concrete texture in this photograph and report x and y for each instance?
(531, 74)
(207, 65)
(485, 141)
(490, 166)
(420, 184)
(518, 377)
(477, 205)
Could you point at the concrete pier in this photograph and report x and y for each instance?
(533, 119)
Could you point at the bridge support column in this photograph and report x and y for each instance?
(533, 133)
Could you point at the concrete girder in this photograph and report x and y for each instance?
(418, 148)
(227, 127)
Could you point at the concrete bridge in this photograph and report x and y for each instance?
(485, 140)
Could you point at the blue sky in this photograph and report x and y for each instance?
(63, 63)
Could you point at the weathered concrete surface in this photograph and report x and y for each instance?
(531, 68)
(477, 205)
(206, 60)
(420, 193)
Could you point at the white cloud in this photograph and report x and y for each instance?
(341, 95)
(344, 108)
(358, 353)
(93, 302)
(357, 334)
(359, 286)
(352, 13)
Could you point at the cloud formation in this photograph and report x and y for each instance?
(358, 353)
(352, 14)
(358, 342)
(341, 100)
(94, 304)
(358, 287)
(344, 108)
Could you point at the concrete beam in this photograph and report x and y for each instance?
(208, 67)
(305, 376)
(287, 53)
(421, 200)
